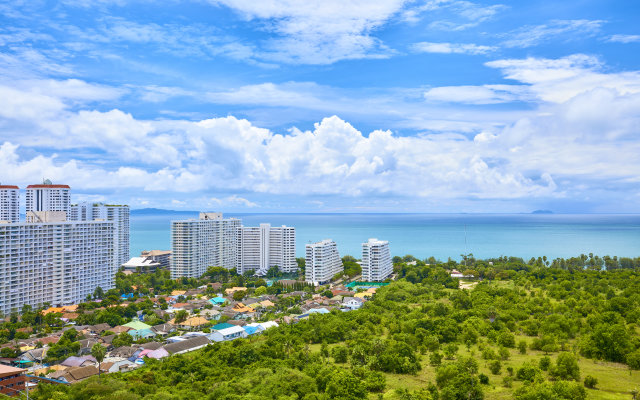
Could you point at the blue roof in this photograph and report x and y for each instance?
(250, 329)
(218, 300)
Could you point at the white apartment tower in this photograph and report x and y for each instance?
(376, 260)
(9, 203)
(322, 262)
(56, 262)
(264, 247)
(48, 197)
(119, 214)
(197, 244)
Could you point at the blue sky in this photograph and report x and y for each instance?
(325, 106)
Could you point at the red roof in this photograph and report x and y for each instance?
(48, 187)
(8, 187)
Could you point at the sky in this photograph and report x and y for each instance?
(438, 106)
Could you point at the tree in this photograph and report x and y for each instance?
(260, 291)
(522, 347)
(340, 354)
(343, 385)
(98, 293)
(123, 339)
(182, 315)
(239, 295)
(98, 352)
(560, 390)
(566, 367)
(495, 367)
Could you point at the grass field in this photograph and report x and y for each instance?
(615, 381)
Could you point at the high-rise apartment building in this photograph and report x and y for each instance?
(264, 247)
(9, 203)
(211, 240)
(322, 262)
(119, 214)
(55, 262)
(197, 244)
(376, 260)
(48, 197)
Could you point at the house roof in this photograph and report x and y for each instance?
(267, 303)
(78, 373)
(218, 300)
(137, 325)
(100, 328)
(178, 347)
(231, 331)
(123, 352)
(74, 361)
(4, 369)
(194, 321)
(223, 325)
(152, 346)
(250, 329)
(142, 333)
(158, 353)
(120, 329)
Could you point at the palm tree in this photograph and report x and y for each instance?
(98, 352)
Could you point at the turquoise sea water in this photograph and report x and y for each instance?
(439, 235)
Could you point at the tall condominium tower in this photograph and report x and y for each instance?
(119, 214)
(322, 262)
(9, 203)
(263, 247)
(376, 260)
(56, 261)
(48, 197)
(197, 244)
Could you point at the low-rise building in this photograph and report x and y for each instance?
(231, 333)
(12, 380)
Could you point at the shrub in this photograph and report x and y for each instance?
(590, 382)
(495, 367)
(566, 367)
(544, 363)
(522, 347)
(483, 379)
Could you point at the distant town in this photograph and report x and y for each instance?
(66, 268)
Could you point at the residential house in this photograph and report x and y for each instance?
(218, 301)
(193, 323)
(234, 289)
(210, 314)
(163, 329)
(83, 361)
(352, 303)
(226, 334)
(187, 345)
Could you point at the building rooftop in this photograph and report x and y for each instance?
(43, 186)
(4, 369)
(8, 187)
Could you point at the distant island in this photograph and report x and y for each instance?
(542, 212)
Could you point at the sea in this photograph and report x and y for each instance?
(442, 236)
